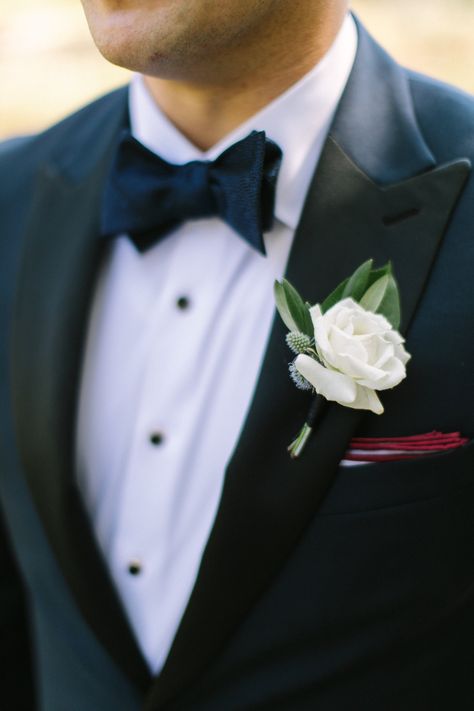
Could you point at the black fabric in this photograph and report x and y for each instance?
(147, 198)
(17, 686)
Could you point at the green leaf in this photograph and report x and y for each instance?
(376, 274)
(334, 296)
(383, 298)
(282, 307)
(358, 283)
(299, 309)
(354, 286)
(374, 295)
(292, 309)
(390, 304)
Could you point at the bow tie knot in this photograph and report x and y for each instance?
(194, 192)
(146, 197)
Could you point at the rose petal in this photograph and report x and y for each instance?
(344, 344)
(400, 352)
(393, 374)
(328, 383)
(320, 325)
(364, 373)
(315, 313)
(367, 399)
(383, 351)
(368, 322)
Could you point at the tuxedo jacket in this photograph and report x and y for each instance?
(321, 587)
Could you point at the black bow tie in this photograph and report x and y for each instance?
(146, 197)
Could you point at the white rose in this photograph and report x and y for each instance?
(360, 353)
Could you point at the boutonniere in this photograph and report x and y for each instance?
(348, 348)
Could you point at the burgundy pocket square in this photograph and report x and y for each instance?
(362, 450)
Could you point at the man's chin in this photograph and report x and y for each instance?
(136, 34)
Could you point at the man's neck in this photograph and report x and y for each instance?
(207, 108)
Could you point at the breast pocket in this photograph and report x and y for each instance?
(386, 484)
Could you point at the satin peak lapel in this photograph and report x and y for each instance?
(377, 193)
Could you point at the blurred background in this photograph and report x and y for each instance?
(49, 65)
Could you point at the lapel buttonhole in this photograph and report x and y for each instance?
(390, 220)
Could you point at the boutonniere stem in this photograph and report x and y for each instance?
(315, 414)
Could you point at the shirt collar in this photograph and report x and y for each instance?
(298, 121)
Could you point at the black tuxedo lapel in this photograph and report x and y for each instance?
(61, 258)
(396, 208)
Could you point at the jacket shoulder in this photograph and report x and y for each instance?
(445, 115)
(21, 156)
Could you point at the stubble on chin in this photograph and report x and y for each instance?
(131, 34)
(172, 39)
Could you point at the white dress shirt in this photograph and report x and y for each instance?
(175, 342)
